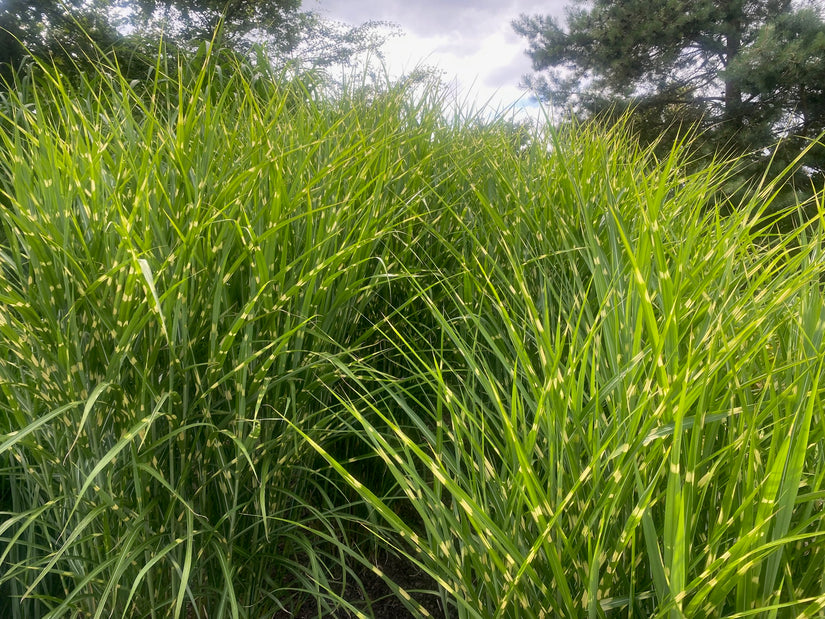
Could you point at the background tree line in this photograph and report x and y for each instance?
(750, 74)
(72, 33)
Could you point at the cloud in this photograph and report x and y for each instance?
(465, 18)
(471, 41)
(506, 75)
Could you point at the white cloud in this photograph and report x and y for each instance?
(472, 41)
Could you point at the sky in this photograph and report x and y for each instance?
(471, 41)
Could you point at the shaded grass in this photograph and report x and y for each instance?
(252, 334)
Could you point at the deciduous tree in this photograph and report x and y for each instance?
(71, 32)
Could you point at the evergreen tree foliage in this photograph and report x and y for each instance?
(748, 72)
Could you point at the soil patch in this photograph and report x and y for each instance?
(376, 599)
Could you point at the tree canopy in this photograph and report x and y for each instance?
(748, 71)
(51, 28)
(73, 31)
(198, 20)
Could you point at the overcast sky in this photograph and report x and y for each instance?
(471, 40)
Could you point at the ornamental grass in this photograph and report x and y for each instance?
(256, 334)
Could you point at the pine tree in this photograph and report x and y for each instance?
(748, 72)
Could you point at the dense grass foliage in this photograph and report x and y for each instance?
(253, 335)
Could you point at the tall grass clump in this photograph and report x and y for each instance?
(254, 336)
(182, 259)
(619, 411)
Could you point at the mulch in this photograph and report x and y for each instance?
(376, 598)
